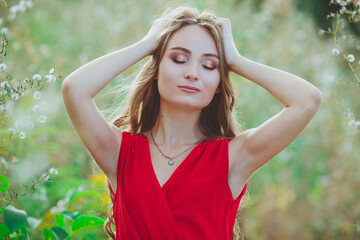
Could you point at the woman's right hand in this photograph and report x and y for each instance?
(157, 28)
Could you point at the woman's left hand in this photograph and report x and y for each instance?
(230, 49)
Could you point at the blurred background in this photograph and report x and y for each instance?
(311, 190)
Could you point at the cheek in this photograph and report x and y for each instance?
(213, 83)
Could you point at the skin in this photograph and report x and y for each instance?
(190, 61)
(177, 126)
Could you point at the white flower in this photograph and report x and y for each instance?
(37, 77)
(4, 83)
(22, 135)
(335, 51)
(4, 30)
(14, 9)
(51, 72)
(2, 66)
(18, 124)
(29, 4)
(54, 210)
(53, 171)
(42, 119)
(61, 204)
(11, 17)
(50, 78)
(351, 58)
(37, 95)
(351, 123)
(29, 124)
(11, 131)
(36, 108)
(46, 177)
(15, 97)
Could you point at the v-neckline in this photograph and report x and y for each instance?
(149, 160)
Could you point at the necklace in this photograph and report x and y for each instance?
(171, 162)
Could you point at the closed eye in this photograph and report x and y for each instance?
(179, 59)
(209, 65)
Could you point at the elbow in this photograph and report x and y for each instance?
(65, 87)
(315, 100)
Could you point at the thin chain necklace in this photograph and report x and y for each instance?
(171, 162)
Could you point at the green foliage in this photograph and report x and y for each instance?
(4, 183)
(14, 218)
(83, 222)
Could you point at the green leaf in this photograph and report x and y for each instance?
(82, 194)
(33, 222)
(48, 235)
(59, 220)
(59, 233)
(4, 183)
(70, 215)
(86, 221)
(4, 231)
(14, 218)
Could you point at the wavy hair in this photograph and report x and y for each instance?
(143, 103)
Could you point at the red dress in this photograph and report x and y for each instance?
(195, 203)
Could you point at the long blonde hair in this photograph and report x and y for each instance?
(143, 103)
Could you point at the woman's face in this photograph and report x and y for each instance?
(188, 74)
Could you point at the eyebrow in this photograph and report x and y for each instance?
(188, 51)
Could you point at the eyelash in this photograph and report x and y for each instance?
(180, 62)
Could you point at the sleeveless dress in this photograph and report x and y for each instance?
(195, 203)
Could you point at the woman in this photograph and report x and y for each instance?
(181, 168)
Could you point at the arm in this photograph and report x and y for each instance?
(90, 79)
(102, 139)
(252, 148)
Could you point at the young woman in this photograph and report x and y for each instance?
(181, 168)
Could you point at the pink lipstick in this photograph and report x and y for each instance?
(189, 89)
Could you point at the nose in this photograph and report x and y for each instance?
(191, 73)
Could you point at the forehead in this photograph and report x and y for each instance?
(194, 38)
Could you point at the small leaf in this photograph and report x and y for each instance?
(84, 193)
(86, 221)
(14, 218)
(70, 215)
(59, 220)
(4, 231)
(48, 235)
(59, 233)
(4, 183)
(33, 222)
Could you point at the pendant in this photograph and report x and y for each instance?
(171, 162)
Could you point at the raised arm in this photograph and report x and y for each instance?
(254, 147)
(101, 138)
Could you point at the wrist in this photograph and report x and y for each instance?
(150, 45)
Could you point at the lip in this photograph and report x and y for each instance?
(189, 89)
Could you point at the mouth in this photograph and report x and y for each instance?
(189, 89)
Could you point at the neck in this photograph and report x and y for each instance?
(176, 127)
